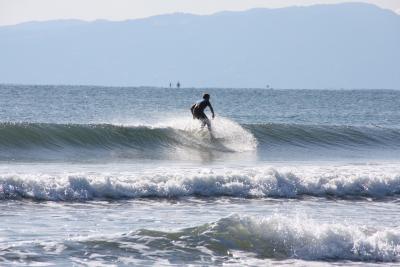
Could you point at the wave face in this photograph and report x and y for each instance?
(41, 140)
(74, 138)
(324, 135)
(346, 182)
(275, 237)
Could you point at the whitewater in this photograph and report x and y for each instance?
(94, 176)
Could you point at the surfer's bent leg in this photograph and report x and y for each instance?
(204, 120)
(202, 123)
(207, 122)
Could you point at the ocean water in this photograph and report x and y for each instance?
(107, 176)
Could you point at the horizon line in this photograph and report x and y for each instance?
(191, 87)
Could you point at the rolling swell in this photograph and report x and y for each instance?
(106, 136)
(324, 135)
(17, 138)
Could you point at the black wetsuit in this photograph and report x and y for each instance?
(198, 112)
(199, 107)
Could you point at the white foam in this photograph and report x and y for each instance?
(227, 132)
(346, 181)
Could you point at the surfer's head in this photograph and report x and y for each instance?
(206, 96)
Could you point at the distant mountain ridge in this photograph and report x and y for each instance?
(323, 46)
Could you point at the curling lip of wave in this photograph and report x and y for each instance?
(251, 183)
(107, 136)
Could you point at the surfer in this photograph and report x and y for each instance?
(198, 111)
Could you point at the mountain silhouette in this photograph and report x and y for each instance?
(349, 45)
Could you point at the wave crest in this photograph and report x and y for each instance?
(249, 183)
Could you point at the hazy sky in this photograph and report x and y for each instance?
(16, 11)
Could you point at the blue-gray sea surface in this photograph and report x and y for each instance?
(93, 176)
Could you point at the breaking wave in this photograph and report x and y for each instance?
(355, 182)
(283, 237)
(227, 136)
(275, 237)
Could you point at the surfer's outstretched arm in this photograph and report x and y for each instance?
(192, 110)
(212, 110)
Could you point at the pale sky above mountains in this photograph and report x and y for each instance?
(17, 11)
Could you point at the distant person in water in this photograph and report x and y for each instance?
(198, 111)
